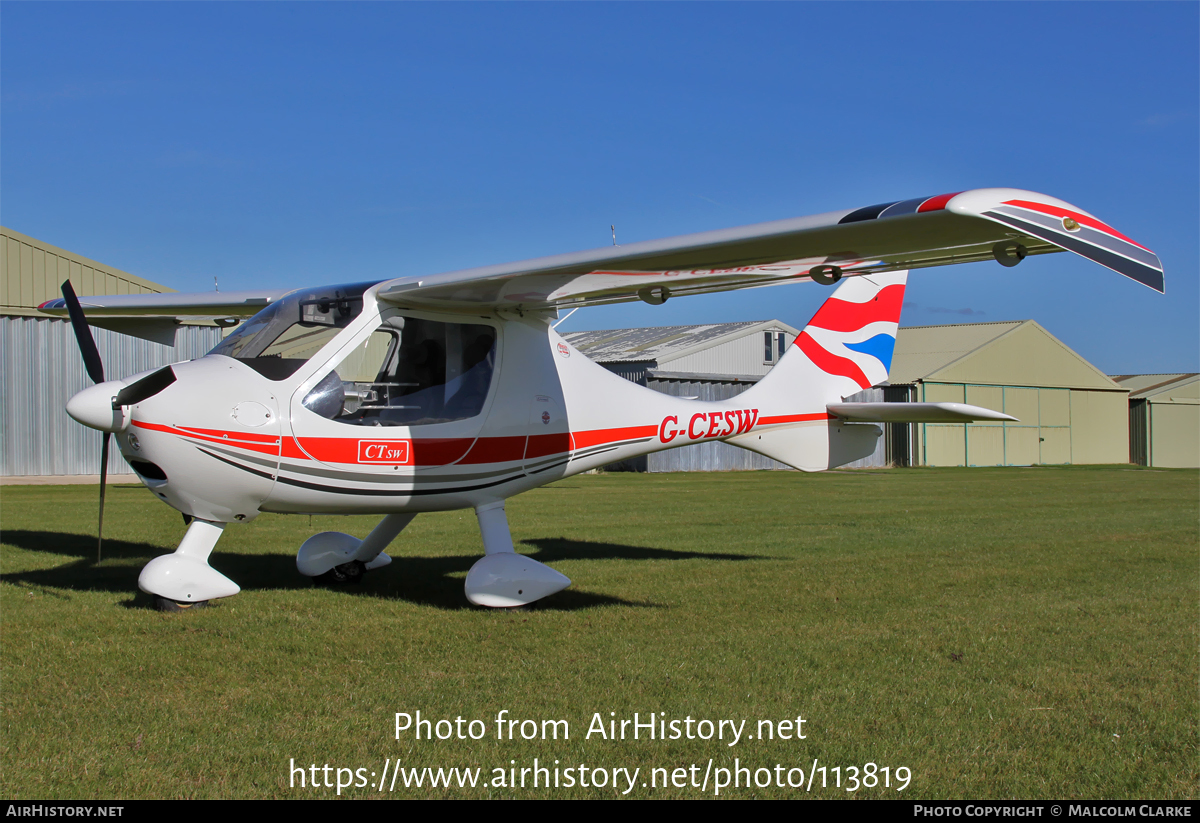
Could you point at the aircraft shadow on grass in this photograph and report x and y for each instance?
(429, 581)
(550, 549)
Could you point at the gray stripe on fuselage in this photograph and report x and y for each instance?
(410, 492)
(421, 474)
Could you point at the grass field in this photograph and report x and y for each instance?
(1026, 633)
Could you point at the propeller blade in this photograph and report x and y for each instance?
(103, 484)
(148, 386)
(87, 346)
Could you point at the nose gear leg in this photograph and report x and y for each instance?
(184, 578)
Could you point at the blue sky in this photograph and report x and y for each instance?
(277, 144)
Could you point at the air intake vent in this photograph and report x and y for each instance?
(147, 469)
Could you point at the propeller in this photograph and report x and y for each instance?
(87, 346)
(148, 386)
(95, 408)
(95, 370)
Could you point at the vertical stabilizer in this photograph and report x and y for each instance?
(845, 348)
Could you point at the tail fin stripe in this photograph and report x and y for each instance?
(831, 363)
(842, 315)
(880, 347)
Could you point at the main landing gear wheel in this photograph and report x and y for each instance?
(344, 575)
(165, 604)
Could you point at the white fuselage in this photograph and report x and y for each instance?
(232, 443)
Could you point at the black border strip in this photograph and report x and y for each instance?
(1086, 234)
(867, 213)
(1143, 274)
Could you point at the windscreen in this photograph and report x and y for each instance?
(281, 338)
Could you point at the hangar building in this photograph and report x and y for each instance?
(42, 364)
(1164, 419)
(1069, 411)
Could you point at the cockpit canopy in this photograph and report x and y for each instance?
(281, 338)
(409, 371)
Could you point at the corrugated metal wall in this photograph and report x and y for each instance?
(43, 369)
(901, 442)
(632, 370)
(879, 459)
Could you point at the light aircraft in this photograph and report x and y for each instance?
(452, 391)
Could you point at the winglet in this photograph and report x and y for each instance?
(1066, 226)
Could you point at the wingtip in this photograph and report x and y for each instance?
(1066, 226)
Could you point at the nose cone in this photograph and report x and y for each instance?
(93, 407)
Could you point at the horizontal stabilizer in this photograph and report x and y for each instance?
(914, 413)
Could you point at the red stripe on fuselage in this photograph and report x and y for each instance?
(541, 445)
(254, 438)
(600, 437)
(842, 315)
(428, 451)
(793, 418)
(496, 450)
(432, 451)
(227, 438)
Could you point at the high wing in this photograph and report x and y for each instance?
(983, 224)
(154, 317)
(171, 304)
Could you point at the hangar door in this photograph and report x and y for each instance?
(1043, 435)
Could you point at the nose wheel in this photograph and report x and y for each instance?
(184, 581)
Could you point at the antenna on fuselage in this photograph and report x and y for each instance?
(614, 232)
(216, 285)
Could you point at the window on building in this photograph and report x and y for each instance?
(774, 346)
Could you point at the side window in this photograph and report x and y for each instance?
(355, 382)
(410, 372)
